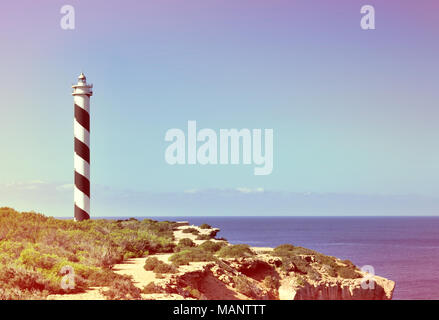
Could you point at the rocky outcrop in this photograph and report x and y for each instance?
(246, 278)
(336, 289)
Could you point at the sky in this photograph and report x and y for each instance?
(354, 112)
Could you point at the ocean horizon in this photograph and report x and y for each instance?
(403, 249)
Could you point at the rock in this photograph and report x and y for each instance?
(334, 289)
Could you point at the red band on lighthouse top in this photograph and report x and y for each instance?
(82, 117)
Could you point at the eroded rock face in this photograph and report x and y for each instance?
(336, 289)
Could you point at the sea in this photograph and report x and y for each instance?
(403, 249)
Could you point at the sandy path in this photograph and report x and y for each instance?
(134, 268)
(94, 293)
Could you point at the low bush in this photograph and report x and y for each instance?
(208, 236)
(236, 251)
(152, 288)
(185, 243)
(150, 263)
(191, 230)
(203, 237)
(288, 250)
(211, 246)
(158, 266)
(205, 226)
(123, 290)
(191, 255)
(348, 273)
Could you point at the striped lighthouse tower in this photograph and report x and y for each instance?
(82, 92)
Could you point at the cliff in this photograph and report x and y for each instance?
(285, 272)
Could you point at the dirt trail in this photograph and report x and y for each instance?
(94, 293)
(134, 268)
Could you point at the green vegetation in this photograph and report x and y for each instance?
(191, 255)
(35, 248)
(158, 266)
(236, 251)
(185, 243)
(152, 288)
(122, 290)
(211, 246)
(289, 249)
(304, 261)
(203, 237)
(208, 236)
(191, 230)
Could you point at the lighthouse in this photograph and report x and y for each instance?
(82, 91)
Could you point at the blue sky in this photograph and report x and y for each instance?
(354, 112)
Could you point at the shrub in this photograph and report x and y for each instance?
(150, 263)
(22, 279)
(123, 289)
(158, 266)
(203, 237)
(289, 250)
(348, 273)
(152, 288)
(208, 236)
(191, 230)
(205, 226)
(211, 246)
(190, 255)
(349, 264)
(163, 267)
(185, 243)
(236, 251)
(31, 257)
